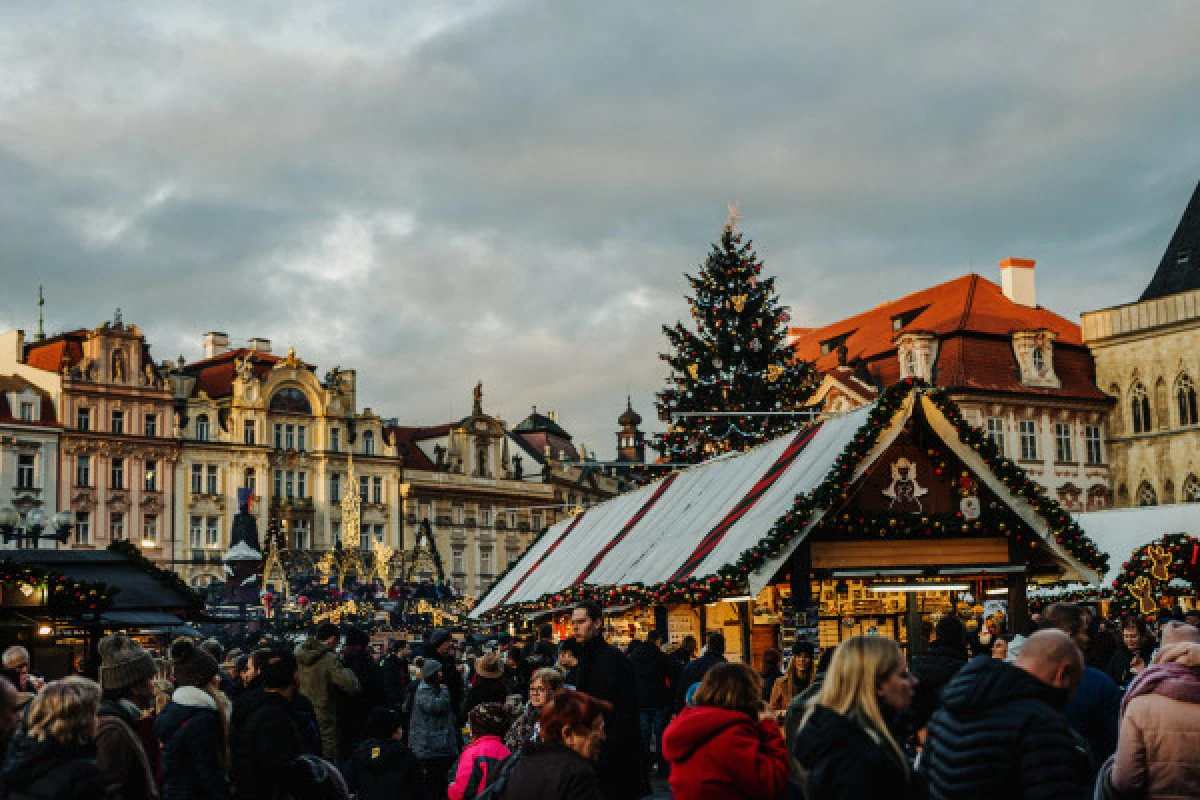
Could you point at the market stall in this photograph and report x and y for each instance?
(878, 520)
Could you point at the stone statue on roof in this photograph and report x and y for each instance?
(477, 408)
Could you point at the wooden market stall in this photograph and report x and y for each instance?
(879, 521)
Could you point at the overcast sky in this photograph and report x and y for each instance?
(435, 193)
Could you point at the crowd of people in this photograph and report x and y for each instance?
(1057, 714)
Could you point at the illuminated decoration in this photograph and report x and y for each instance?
(1165, 568)
(904, 491)
(41, 587)
(732, 579)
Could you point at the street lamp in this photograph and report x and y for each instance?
(11, 527)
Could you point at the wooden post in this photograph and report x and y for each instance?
(745, 616)
(703, 625)
(916, 634)
(1018, 604)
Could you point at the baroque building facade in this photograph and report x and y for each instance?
(1148, 359)
(1019, 372)
(251, 419)
(117, 457)
(29, 441)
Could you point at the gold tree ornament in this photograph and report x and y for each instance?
(739, 302)
(1160, 559)
(1143, 592)
(774, 372)
(693, 370)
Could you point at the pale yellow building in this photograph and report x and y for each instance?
(1148, 357)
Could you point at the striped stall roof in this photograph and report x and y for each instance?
(694, 522)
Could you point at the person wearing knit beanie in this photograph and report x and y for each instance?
(191, 665)
(488, 719)
(127, 680)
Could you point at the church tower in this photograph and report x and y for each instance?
(631, 442)
(1179, 270)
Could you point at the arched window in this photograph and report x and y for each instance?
(1139, 403)
(1146, 495)
(202, 430)
(1185, 398)
(1191, 490)
(290, 400)
(368, 439)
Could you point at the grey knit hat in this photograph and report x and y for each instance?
(123, 662)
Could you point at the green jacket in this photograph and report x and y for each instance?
(320, 674)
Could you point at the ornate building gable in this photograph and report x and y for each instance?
(917, 352)
(1034, 351)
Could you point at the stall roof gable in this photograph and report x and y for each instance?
(138, 590)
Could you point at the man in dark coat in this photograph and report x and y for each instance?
(694, 672)
(934, 668)
(441, 649)
(606, 673)
(394, 667)
(1001, 732)
(264, 737)
(542, 652)
(352, 709)
(1095, 707)
(652, 669)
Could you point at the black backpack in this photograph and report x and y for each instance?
(495, 789)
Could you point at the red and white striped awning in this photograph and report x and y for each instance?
(688, 525)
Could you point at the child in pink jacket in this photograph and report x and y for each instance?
(480, 761)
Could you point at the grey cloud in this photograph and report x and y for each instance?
(438, 192)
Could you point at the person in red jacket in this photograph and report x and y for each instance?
(727, 745)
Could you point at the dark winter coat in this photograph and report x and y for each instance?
(264, 739)
(486, 690)
(721, 754)
(452, 679)
(605, 672)
(385, 769)
(694, 672)
(120, 754)
(540, 654)
(353, 707)
(843, 762)
(50, 771)
(1094, 712)
(1001, 733)
(189, 728)
(1119, 667)
(933, 670)
(652, 667)
(434, 733)
(553, 771)
(394, 670)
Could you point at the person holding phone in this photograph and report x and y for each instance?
(1131, 658)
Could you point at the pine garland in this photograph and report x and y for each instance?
(63, 595)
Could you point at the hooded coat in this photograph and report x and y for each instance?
(433, 733)
(121, 755)
(722, 754)
(51, 771)
(843, 762)
(320, 675)
(1158, 755)
(385, 769)
(1001, 733)
(193, 746)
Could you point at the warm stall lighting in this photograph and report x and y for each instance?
(996, 592)
(149, 543)
(45, 630)
(919, 587)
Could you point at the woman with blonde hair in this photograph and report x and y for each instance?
(55, 756)
(726, 744)
(845, 743)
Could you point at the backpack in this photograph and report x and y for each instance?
(498, 784)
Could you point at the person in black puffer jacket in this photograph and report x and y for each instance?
(54, 758)
(192, 728)
(352, 709)
(264, 736)
(934, 669)
(1002, 733)
(382, 767)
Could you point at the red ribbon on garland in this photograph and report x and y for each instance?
(543, 557)
(616, 540)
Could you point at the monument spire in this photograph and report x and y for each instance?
(40, 334)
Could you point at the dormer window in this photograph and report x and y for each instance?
(831, 345)
(1034, 351)
(904, 319)
(917, 352)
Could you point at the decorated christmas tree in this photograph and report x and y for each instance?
(736, 359)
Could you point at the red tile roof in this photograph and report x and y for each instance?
(51, 355)
(973, 321)
(15, 383)
(405, 439)
(214, 376)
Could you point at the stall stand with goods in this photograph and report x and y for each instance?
(59, 603)
(877, 521)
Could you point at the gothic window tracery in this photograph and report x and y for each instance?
(1146, 496)
(1139, 404)
(1185, 399)
(1191, 489)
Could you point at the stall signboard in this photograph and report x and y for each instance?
(682, 621)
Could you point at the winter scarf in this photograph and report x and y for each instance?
(1175, 674)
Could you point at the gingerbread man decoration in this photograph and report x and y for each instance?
(1143, 592)
(1160, 559)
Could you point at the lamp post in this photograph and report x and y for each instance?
(35, 523)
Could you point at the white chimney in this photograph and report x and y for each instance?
(259, 345)
(215, 344)
(1016, 280)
